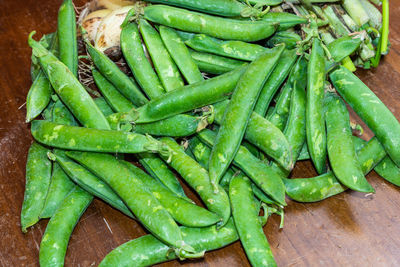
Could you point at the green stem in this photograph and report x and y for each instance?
(385, 27)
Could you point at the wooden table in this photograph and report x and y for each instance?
(350, 229)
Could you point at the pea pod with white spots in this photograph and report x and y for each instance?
(371, 110)
(143, 204)
(228, 29)
(247, 223)
(285, 20)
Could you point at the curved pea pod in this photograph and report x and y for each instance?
(289, 38)
(197, 178)
(38, 176)
(263, 175)
(247, 223)
(344, 47)
(62, 115)
(114, 98)
(229, 29)
(341, 151)
(66, 31)
(326, 185)
(157, 168)
(285, 20)
(315, 122)
(131, 46)
(103, 106)
(166, 68)
(274, 82)
(232, 49)
(86, 139)
(180, 54)
(148, 250)
(69, 89)
(59, 229)
(371, 110)
(261, 195)
(120, 80)
(214, 64)
(190, 97)
(59, 187)
(90, 182)
(238, 112)
(264, 135)
(183, 211)
(143, 204)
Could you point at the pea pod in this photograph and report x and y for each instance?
(247, 223)
(62, 115)
(371, 110)
(131, 46)
(277, 77)
(59, 229)
(344, 47)
(66, 31)
(166, 69)
(304, 153)
(69, 89)
(86, 139)
(190, 97)
(38, 175)
(285, 20)
(148, 250)
(183, 211)
(180, 54)
(137, 197)
(264, 135)
(229, 29)
(238, 112)
(50, 42)
(289, 38)
(90, 182)
(264, 176)
(326, 185)
(197, 178)
(214, 64)
(232, 49)
(315, 122)
(103, 106)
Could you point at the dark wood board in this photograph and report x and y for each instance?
(350, 229)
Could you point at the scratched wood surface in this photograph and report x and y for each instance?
(350, 229)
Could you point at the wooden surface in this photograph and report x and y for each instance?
(350, 229)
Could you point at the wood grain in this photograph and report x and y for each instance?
(350, 229)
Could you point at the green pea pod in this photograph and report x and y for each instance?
(238, 112)
(180, 54)
(183, 211)
(114, 98)
(86, 139)
(264, 2)
(120, 80)
(247, 223)
(341, 151)
(228, 29)
(214, 64)
(264, 135)
(264, 176)
(137, 197)
(344, 47)
(66, 31)
(90, 182)
(371, 110)
(261, 195)
(232, 49)
(38, 176)
(60, 186)
(304, 155)
(157, 168)
(103, 106)
(197, 178)
(62, 115)
(131, 46)
(274, 82)
(59, 229)
(148, 250)
(190, 97)
(326, 185)
(315, 122)
(289, 38)
(69, 89)
(285, 20)
(49, 41)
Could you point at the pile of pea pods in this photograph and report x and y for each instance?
(227, 94)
